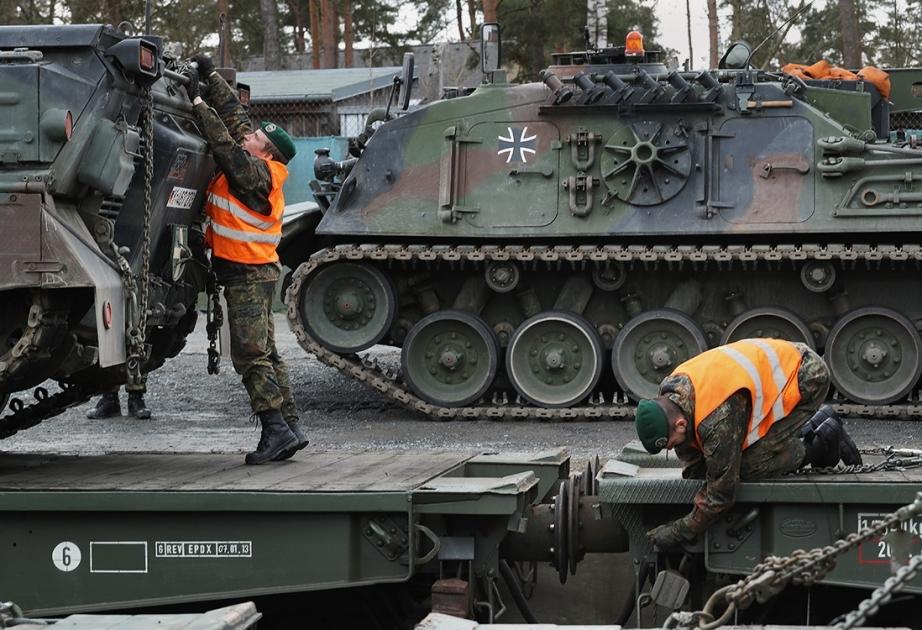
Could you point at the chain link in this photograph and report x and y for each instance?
(894, 459)
(802, 567)
(214, 322)
(680, 257)
(137, 329)
(882, 595)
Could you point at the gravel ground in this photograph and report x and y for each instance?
(195, 412)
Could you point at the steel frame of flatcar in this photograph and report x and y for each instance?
(84, 541)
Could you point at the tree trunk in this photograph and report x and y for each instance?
(224, 35)
(114, 12)
(460, 13)
(295, 7)
(490, 8)
(7, 12)
(316, 32)
(691, 52)
(472, 16)
(328, 17)
(713, 34)
(336, 32)
(736, 20)
(271, 52)
(348, 35)
(851, 39)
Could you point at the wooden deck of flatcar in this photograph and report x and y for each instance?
(331, 471)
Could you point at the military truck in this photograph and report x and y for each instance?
(102, 173)
(554, 249)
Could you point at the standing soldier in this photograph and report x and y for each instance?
(746, 410)
(245, 204)
(108, 405)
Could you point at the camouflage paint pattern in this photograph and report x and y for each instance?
(66, 199)
(755, 168)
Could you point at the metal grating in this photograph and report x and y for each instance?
(300, 119)
(906, 120)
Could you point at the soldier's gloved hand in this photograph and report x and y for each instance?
(671, 535)
(205, 65)
(192, 88)
(357, 144)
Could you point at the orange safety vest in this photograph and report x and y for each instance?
(766, 368)
(239, 234)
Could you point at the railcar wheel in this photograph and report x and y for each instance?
(649, 348)
(554, 359)
(449, 358)
(874, 355)
(347, 306)
(771, 322)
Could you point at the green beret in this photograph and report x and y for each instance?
(652, 426)
(280, 138)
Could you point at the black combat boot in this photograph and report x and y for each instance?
(276, 438)
(827, 427)
(107, 406)
(295, 428)
(137, 407)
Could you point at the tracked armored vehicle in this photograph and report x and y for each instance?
(555, 249)
(101, 179)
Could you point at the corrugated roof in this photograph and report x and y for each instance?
(335, 84)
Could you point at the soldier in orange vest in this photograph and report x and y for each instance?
(244, 204)
(747, 410)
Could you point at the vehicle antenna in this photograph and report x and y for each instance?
(793, 17)
(147, 17)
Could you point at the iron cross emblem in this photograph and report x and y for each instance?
(518, 147)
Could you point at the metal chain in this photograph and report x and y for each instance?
(894, 459)
(458, 256)
(882, 595)
(214, 322)
(802, 567)
(137, 332)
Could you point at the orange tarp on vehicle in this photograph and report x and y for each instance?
(822, 69)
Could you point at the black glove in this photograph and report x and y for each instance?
(192, 88)
(357, 144)
(205, 65)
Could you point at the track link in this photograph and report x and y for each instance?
(46, 326)
(578, 257)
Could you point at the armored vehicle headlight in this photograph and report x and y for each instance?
(139, 58)
(58, 124)
(147, 57)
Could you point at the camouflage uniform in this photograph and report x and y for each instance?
(248, 289)
(722, 460)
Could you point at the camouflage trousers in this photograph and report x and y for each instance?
(781, 450)
(253, 351)
(140, 388)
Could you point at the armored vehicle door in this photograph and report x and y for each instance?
(764, 170)
(508, 174)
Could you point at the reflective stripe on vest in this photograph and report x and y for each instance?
(767, 368)
(236, 232)
(223, 203)
(246, 237)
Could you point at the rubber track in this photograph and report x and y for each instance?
(389, 384)
(44, 329)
